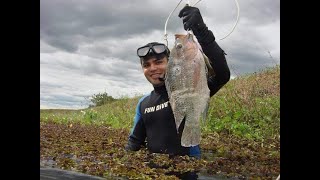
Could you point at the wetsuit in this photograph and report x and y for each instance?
(154, 124)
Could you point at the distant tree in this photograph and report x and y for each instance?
(100, 99)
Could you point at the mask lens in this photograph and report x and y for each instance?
(159, 48)
(143, 51)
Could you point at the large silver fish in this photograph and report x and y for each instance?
(187, 86)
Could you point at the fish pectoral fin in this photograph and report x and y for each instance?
(179, 120)
(208, 67)
(205, 113)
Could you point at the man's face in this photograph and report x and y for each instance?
(154, 69)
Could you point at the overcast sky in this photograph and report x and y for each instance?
(89, 46)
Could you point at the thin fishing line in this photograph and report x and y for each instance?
(196, 3)
(238, 15)
(234, 26)
(165, 26)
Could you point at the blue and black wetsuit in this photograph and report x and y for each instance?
(154, 124)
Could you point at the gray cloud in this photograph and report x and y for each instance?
(88, 47)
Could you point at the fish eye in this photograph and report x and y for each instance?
(179, 45)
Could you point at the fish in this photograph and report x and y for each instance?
(187, 86)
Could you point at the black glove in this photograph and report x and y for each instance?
(192, 19)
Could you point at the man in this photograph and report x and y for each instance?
(154, 121)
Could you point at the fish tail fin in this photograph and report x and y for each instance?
(191, 133)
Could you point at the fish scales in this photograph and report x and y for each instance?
(187, 87)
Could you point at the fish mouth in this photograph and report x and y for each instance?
(179, 35)
(183, 36)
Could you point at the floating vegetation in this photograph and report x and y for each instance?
(99, 150)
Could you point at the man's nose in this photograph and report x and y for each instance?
(153, 67)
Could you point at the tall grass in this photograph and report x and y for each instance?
(247, 106)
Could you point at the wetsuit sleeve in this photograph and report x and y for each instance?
(217, 60)
(138, 132)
